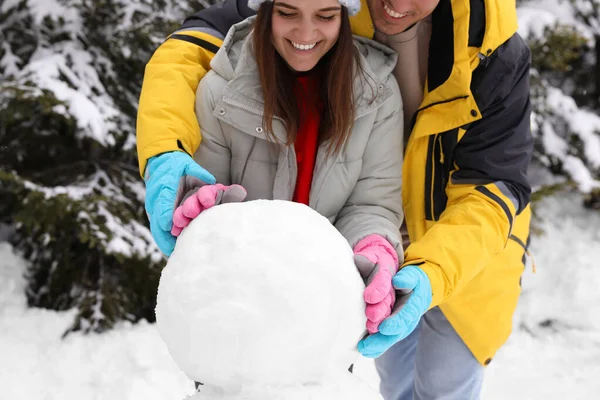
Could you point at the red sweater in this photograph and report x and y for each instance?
(307, 138)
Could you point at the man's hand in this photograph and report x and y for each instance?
(412, 283)
(168, 177)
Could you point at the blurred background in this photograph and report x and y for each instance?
(79, 269)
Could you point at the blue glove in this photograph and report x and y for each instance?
(412, 301)
(169, 176)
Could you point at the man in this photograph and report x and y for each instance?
(464, 77)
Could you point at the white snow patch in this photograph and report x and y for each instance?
(578, 122)
(535, 15)
(12, 279)
(542, 360)
(554, 350)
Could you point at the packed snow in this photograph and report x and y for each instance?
(557, 118)
(553, 353)
(585, 125)
(262, 300)
(535, 15)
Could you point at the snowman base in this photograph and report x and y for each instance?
(262, 301)
(343, 386)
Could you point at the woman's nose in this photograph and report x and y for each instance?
(305, 31)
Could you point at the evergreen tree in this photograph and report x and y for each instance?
(565, 119)
(70, 76)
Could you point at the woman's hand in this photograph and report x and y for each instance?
(377, 262)
(202, 199)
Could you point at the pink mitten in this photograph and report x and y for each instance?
(205, 197)
(377, 262)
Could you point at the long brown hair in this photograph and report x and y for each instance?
(338, 69)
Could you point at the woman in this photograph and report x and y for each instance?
(295, 109)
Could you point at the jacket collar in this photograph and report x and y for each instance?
(463, 33)
(455, 51)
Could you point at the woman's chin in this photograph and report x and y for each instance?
(301, 66)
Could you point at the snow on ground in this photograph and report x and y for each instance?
(554, 352)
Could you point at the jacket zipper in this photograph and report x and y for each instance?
(436, 178)
(441, 150)
(432, 183)
(483, 59)
(442, 166)
(413, 120)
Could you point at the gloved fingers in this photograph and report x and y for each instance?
(176, 231)
(180, 221)
(164, 240)
(233, 194)
(404, 320)
(373, 326)
(164, 206)
(401, 299)
(379, 286)
(376, 313)
(194, 170)
(406, 278)
(389, 263)
(375, 345)
(202, 198)
(368, 259)
(190, 208)
(155, 190)
(207, 195)
(182, 197)
(188, 186)
(380, 311)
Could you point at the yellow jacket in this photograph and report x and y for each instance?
(465, 194)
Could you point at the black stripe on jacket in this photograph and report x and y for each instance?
(197, 41)
(499, 146)
(220, 17)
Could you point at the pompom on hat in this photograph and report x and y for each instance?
(353, 6)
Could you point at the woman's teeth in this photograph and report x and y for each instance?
(304, 47)
(393, 13)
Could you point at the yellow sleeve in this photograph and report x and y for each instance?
(166, 120)
(474, 227)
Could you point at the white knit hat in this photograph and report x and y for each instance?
(353, 6)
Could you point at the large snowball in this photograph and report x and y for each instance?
(261, 293)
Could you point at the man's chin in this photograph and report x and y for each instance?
(390, 29)
(387, 25)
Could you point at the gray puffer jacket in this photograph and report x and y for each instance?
(359, 190)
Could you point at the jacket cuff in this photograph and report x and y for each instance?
(436, 280)
(155, 149)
